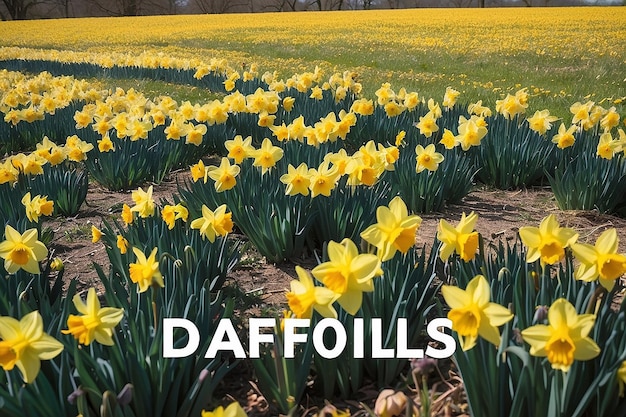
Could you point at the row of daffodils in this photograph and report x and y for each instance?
(299, 166)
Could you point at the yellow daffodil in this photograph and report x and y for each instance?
(199, 171)
(144, 204)
(473, 315)
(548, 242)
(348, 274)
(395, 230)
(24, 344)
(621, 378)
(305, 296)
(610, 119)
(471, 132)
(400, 138)
(145, 272)
(450, 98)
(77, 149)
(105, 144)
(607, 146)
(22, 251)
(601, 262)
(564, 137)
(288, 103)
(233, 410)
(37, 206)
(95, 323)
(195, 134)
(224, 175)
(127, 214)
(297, 180)
(461, 239)
(213, 223)
(266, 156)
(427, 158)
(427, 124)
(541, 121)
(323, 179)
(564, 339)
(239, 148)
(511, 106)
(170, 214)
(122, 244)
(96, 234)
(448, 139)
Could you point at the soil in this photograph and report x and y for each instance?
(500, 213)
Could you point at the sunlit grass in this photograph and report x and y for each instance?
(562, 55)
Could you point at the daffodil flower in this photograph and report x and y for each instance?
(548, 242)
(224, 175)
(304, 297)
(22, 251)
(348, 274)
(233, 410)
(266, 156)
(37, 206)
(427, 158)
(621, 378)
(473, 315)
(461, 239)
(170, 214)
(24, 344)
(213, 223)
(239, 148)
(297, 180)
(144, 204)
(96, 323)
(145, 272)
(601, 262)
(565, 337)
(395, 230)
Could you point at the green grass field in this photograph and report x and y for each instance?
(562, 55)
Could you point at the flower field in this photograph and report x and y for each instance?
(352, 153)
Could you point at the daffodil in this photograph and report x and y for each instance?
(213, 223)
(473, 315)
(96, 234)
(461, 239)
(564, 137)
(471, 132)
(239, 148)
(266, 156)
(621, 378)
(427, 158)
(24, 344)
(95, 323)
(199, 171)
(305, 296)
(427, 124)
(122, 244)
(145, 272)
(565, 337)
(541, 121)
(127, 214)
(395, 230)
(548, 242)
(224, 175)
(37, 206)
(348, 274)
(323, 179)
(233, 410)
(601, 262)
(170, 214)
(144, 204)
(297, 180)
(22, 251)
(450, 97)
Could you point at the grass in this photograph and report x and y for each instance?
(562, 55)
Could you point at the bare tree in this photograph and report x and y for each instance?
(224, 6)
(19, 9)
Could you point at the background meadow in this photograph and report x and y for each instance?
(562, 55)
